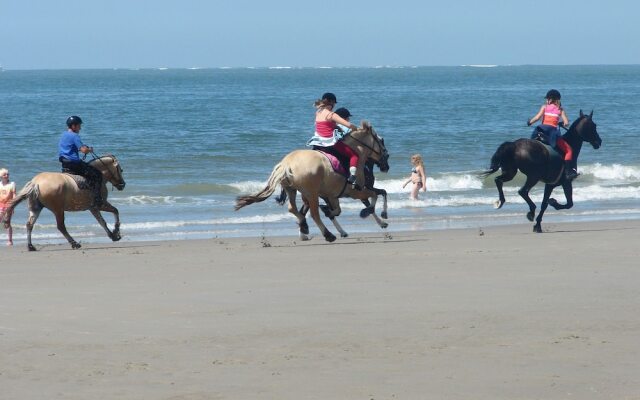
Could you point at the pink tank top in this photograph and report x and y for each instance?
(552, 115)
(325, 128)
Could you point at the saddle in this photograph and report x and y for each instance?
(81, 181)
(555, 166)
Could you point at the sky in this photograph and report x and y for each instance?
(56, 34)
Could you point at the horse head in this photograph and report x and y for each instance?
(111, 170)
(586, 130)
(370, 145)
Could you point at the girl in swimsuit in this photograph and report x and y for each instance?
(7, 193)
(418, 176)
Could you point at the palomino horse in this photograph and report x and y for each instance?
(532, 159)
(310, 173)
(59, 192)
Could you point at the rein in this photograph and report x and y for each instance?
(111, 176)
(375, 138)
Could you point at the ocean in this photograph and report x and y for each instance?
(191, 140)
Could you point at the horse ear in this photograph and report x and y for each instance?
(581, 114)
(365, 124)
(591, 115)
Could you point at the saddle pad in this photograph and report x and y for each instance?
(335, 163)
(81, 181)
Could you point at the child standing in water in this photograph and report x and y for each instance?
(7, 193)
(418, 176)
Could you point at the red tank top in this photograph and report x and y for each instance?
(325, 128)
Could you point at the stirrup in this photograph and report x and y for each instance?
(351, 179)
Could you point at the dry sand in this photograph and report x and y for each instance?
(457, 314)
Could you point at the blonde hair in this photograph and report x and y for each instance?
(416, 159)
(3, 171)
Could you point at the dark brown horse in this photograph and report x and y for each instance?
(532, 158)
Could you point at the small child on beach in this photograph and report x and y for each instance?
(418, 176)
(7, 193)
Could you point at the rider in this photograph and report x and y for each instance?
(551, 113)
(325, 123)
(68, 148)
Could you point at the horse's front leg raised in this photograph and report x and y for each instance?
(568, 194)
(545, 201)
(524, 193)
(115, 235)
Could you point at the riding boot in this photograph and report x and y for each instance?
(352, 177)
(97, 196)
(570, 172)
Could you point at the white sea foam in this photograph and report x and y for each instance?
(449, 182)
(616, 172)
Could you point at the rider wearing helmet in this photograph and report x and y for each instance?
(68, 148)
(551, 113)
(326, 122)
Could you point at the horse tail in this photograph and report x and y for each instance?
(504, 152)
(280, 173)
(282, 197)
(30, 191)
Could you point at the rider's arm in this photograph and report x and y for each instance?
(565, 120)
(537, 116)
(86, 149)
(338, 119)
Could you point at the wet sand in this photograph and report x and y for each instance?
(497, 313)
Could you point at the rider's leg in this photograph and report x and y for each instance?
(569, 171)
(353, 160)
(95, 178)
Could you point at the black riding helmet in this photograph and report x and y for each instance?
(329, 96)
(74, 120)
(343, 112)
(553, 95)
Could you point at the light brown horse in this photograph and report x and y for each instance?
(59, 192)
(310, 173)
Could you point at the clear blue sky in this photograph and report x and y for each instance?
(38, 34)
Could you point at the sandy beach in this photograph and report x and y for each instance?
(492, 313)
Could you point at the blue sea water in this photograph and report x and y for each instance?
(191, 140)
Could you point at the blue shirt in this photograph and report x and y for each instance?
(69, 146)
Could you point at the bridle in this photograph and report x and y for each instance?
(380, 152)
(111, 178)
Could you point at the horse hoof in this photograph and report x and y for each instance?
(117, 237)
(537, 229)
(304, 228)
(31, 247)
(530, 216)
(383, 215)
(75, 245)
(304, 237)
(497, 204)
(384, 225)
(344, 235)
(365, 212)
(329, 237)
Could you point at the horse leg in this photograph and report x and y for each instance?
(568, 194)
(34, 212)
(524, 193)
(332, 210)
(315, 214)
(293, 209)
(59, 214)
(506, 176)
(103, 224)
(382, 192)
(545, 202)
(108, 207)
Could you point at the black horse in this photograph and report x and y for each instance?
(532, 158)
